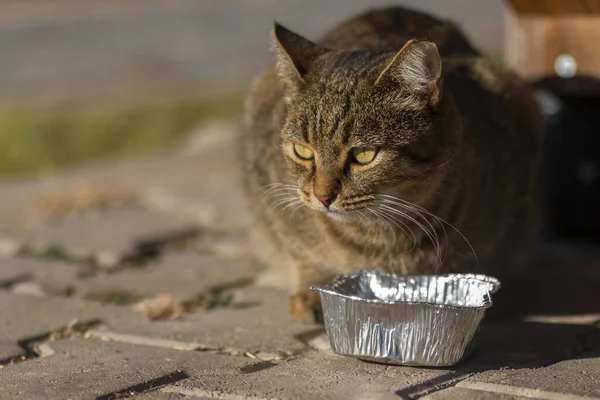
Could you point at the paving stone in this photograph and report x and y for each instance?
(579, 376)
(182, 275)
(263, 327)
(28, 316)
(54, 274)
(83, 369)
(212, 197)
(521, 344)
(108, 236)
(152, 179)
(314, 376)
(467, 394)
(8, 350)
(235, 244)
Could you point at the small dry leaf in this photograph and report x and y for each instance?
(162, 307)
(191, 306)
(17, 359)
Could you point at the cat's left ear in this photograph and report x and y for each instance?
(418, 68)
(295, 56)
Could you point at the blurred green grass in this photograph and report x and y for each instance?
(36, 141)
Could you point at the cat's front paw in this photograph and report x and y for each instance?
(306, 307)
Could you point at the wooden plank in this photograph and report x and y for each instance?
(555, 7)
(532, 43)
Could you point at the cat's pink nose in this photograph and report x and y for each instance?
(326, 199)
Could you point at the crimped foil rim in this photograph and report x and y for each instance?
(330, 289)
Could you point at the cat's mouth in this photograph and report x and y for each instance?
(337, 211)
(343, 216)
(341, 209)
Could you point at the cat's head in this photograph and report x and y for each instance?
(360, 124)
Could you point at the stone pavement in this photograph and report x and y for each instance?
(133, 279)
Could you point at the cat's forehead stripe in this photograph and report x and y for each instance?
(304, 129)
(348, 67)
(331, 116)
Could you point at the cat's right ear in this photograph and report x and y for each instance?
(418, 68)
(295, 56)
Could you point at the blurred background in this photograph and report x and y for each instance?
(84, 81)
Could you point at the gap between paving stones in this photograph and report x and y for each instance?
(460, 380)
(143, 252)
(434, 385)
(9, 283)
(157, 307)
(214, 297)
(199, 239)
(38, 346)
(183, 346)
(146, 387)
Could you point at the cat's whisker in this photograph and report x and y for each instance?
(408, 204)
(415, 208)
(273, 196)
(380, 230)
(380, 226)
(293, 203)
(267, 193)
(285, 200)
(432, 236)
(362, 215)
(419, 214)
(441, 220)
(278, 199)
(282, 203)
(379, 216)
(297, 208)
(277, 184)
(400, 225)
(384, 217)
(418, 211)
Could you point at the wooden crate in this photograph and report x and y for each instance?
(538, 32)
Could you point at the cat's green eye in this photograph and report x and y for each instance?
(303, 152)
(363, 155)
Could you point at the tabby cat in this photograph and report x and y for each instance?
(391, 144)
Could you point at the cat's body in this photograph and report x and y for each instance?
(462, 144)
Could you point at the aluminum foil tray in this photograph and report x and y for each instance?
(425, 320)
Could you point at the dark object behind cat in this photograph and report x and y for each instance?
(371, 150)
